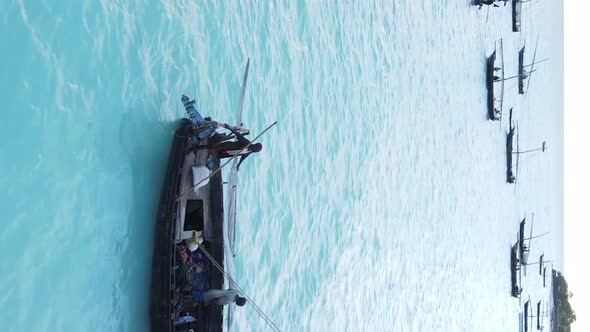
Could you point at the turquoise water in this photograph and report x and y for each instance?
(379, 201)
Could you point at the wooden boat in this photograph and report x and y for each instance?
(516, 15)
(526, 316)
(523, 72)
(495, 104)
(526, 248)
(490, 85)
(514, 267)
(510, 171)
(513, 162)
(177, 222)
(522, 246)
(190, 232)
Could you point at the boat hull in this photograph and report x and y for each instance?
(514, 268)
(492, 115)
(516, 13)
(163, 294)
(510, 176)
(521, 71)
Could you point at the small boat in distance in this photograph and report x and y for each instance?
(180, 222)
(516, 15)
(492, 71)
(539, 316)
(516, 290)
(524, 251)
(510, 172)
(526, 315)
(523, 73)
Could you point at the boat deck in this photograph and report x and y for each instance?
(166, 298)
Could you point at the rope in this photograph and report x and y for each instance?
(258, 310)
(224, 164)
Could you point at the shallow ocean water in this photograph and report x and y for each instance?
(378, 202)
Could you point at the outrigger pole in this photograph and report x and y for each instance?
(534, 63)
(516, 76)
(534, 237)
(542, 149)
(535, 263)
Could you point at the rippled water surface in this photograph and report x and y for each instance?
(379, 202)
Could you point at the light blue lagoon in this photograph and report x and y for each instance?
(378, 203)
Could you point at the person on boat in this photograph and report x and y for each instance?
(219, 297)
(241, 146)
(203, 127)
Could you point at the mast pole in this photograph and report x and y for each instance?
(535, 263)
